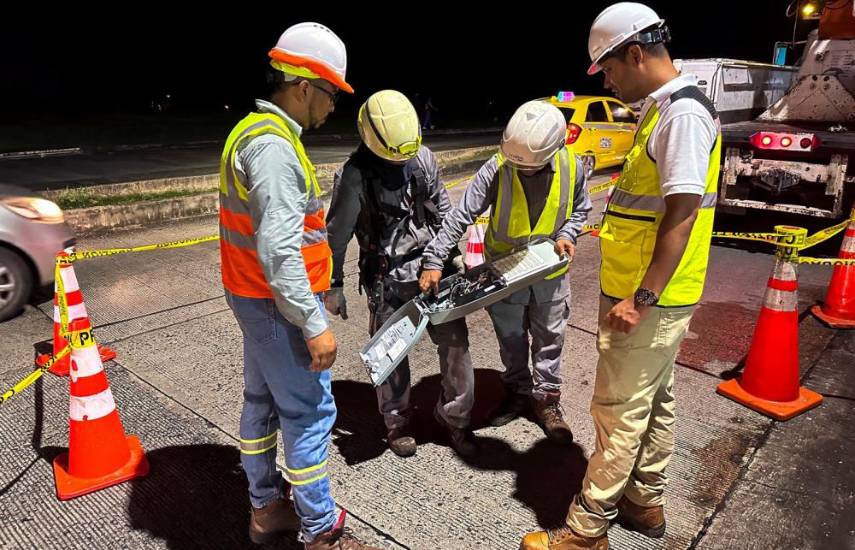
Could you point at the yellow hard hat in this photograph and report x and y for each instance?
(389, 126)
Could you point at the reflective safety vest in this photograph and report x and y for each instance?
(636, 208)
(242, 274)
(510, 226)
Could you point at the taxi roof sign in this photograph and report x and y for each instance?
(565, 97)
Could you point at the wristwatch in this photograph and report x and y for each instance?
(645, 297)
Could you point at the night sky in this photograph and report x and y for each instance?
(120, 59)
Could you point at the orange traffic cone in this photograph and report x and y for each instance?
(76, 310)
(838, 310)
(99, 454)
(770, 382)
(475, 245)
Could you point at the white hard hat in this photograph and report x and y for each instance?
(619, 24)
(312, 50)
(389, 126)
(534, 134)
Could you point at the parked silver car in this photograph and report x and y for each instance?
(32, 231)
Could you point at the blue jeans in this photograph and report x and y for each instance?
(280, 392)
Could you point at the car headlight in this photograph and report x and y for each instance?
(34, 208)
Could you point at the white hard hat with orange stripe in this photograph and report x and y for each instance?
(311, 50)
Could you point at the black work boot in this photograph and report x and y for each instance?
(462, 439)
(512, 406)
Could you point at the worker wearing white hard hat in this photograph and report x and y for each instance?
(534, 187)
(275, 263)
(654, 248)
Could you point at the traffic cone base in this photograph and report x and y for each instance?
(69, 486)
(778, 410)
(61, 368)
(830, 320)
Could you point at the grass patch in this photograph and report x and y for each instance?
(84, 198)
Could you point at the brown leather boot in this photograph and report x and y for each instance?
(277, 517)
(401, 441)
(548, 413)
(338, 538)
(462, 439)
(563, 538)
(647, 520)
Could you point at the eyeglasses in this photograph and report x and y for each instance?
(333, 96)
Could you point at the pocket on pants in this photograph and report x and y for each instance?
(672, 327)
(256, 317)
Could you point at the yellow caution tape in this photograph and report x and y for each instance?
(88, 254)
(61, 298)
(33, 376)
(484, 220)
(771, 238)
(80, 339)
(825, 234)
(825, 261)
(457, 182)
(600, 187)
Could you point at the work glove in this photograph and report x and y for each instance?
(335, 302)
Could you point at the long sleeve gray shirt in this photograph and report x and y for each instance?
(277, 204)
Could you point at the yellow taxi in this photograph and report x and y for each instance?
(600, 129)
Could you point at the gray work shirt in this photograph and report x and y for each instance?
(481, 194)
(397, 237)
(277, 205)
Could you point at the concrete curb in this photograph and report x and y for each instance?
(17, 155)
(311, 139)
(100, 218)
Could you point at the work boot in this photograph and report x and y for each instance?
(512, 406)
(401, 441)
(462, 440)
(266, 523)
(647, 520)
(337, 538)
(563, 538)
(548, 413)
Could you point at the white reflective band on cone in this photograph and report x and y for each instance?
(77, 311)
(781, 300)
(85, 362)
(69, 279)
(91, 407)
(848, 244)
